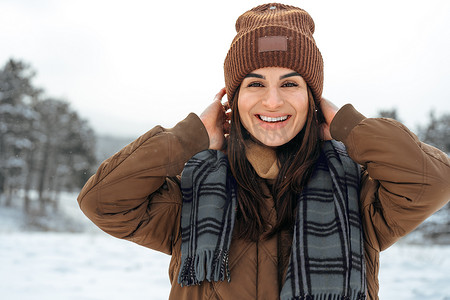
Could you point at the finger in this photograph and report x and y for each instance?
(329, 110)
(220, 94)
(328, 105)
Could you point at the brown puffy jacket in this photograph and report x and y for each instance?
(135, 195)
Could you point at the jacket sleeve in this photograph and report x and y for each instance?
(135, 194)
(405, 180)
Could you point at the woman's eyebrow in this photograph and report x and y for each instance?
(255, 75)
(290, 75)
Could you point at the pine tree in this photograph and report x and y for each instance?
(16, 121)
(44, 144)
(65, 152)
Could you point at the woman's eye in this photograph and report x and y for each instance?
(289, 84)
(255, 84)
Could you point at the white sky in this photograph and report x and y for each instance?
(129, 65)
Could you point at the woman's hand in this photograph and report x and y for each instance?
(216, 121)
(329, 110)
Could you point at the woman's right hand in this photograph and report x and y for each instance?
(216, 121)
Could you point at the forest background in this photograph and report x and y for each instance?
(47, 148)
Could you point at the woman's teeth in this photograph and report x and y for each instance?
(273, 120)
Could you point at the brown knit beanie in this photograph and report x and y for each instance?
(274, 35)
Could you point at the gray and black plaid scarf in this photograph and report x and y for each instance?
(327, 256)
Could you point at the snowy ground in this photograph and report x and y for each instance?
(55, 266)
(95, 266)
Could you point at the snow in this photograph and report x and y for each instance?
(95, 266)
(79, 266)
(410, 272)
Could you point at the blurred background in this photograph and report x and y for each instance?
(81, 79)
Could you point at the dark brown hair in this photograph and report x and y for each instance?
(296, 161)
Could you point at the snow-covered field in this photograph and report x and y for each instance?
(95, 266)
(54, 266)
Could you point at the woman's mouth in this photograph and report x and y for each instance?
(273, 119)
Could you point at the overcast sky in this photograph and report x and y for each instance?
(129, 65)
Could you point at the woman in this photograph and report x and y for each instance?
(275, 209)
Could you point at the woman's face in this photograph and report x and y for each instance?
(273, 105)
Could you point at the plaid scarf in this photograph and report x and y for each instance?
(327, 256)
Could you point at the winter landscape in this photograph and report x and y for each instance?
(91, 265)
(107, 81)
(49, 250)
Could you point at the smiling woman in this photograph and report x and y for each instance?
(273, 105)
(281, 197)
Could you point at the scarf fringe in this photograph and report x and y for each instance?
(193, 272)
(355, 296)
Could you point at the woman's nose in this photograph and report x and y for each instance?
(272, 99)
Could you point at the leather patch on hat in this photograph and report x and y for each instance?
(272, 43)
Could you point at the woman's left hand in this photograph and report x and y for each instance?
(329, 110)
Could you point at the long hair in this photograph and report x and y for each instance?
(296, 161)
